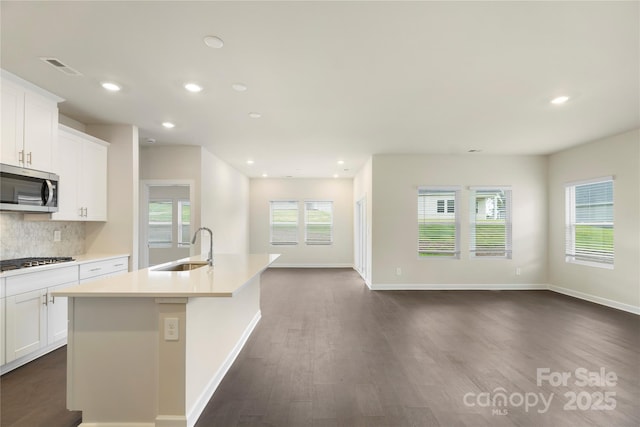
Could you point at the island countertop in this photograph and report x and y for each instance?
(227, 276)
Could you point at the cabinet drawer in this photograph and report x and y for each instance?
(39, 280)
(99, 268)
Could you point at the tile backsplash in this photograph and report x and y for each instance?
(20, 238)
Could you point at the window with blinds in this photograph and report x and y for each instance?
(283, 218)
(490, 225)
(589, 222)
(160, 223)
(438, 223)
(318, 222)
(184, 223)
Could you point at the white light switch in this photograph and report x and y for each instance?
(171, 329)
(56, 236)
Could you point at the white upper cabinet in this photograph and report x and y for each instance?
(29, 124)
(81, 162)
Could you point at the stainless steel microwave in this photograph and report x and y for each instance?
(27, 190)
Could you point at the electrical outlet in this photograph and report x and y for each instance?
(518, 271)
(398, 271)
(171, 329)
(56, 235)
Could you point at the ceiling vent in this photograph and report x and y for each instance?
(54, 62)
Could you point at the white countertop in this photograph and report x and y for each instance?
(228, 275)
(77, 260)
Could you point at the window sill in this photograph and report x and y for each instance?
(571, 260)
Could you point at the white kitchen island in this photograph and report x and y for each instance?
(149, 348)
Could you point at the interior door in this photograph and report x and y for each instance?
(169, 223)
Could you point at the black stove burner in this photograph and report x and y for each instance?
(14, 264)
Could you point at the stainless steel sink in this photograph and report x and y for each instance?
(182, 266)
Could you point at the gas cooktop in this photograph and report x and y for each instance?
(14, 264)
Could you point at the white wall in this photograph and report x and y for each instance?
(618, 156)
(395, 231)
(221, 193)
(363, 189)
(225, 206)
(340, 191)
(170, 164)
(120, 233)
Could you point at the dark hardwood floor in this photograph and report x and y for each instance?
(330, 352)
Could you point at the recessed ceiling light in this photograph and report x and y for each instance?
(110, 86)
(250, 162)
(214, 42)
(168, 125)
(336, 175)
(264, 175)
(192, 87)
(151, 141)
(239, 87)
(560, 100)
(341, 162)
(474, 150)
(255, 115)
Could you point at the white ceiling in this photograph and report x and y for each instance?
(338, 80)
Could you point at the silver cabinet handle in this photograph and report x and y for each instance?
(96, 269)
(52, 300)
(21, 156)
(81, 210)
(118, 265)
(86, 211)
(29, 158)
(44, 299)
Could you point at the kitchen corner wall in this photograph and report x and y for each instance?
(21, 239)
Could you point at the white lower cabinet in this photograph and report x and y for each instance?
(34, 319)
(102, 269)
(26, 324)
(2, 304)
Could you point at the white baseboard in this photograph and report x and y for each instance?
(117, 424)
(311, 265)
(171, 421)
(10, 366)
(598, 300)
(458, 287)
(213, 384)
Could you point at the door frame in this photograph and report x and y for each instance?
(145, 184)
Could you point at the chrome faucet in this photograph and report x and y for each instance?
(193, 241)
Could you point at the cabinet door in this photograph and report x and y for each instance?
(67, 161)
(26, 323)
(40, 131)
(57, 324)
(12, 123)
(94, 181)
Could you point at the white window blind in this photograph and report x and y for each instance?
(589, 222)
(184, 223)
(160, 223)
(490, 225)
(438, 222)
(318, 222)
(283, 218)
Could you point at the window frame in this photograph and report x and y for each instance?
(456, 190)
(180, 243)
(273, 203)
(307, 223)
(507, 253)
(571, 223)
